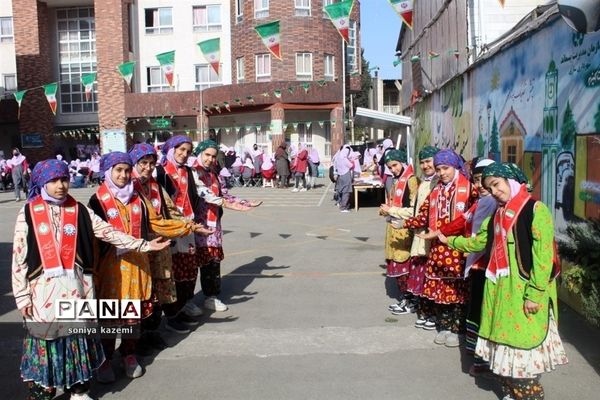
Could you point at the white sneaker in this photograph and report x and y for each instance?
(452, 340)
(345, 211)
(441, 337)
(303, 190)
(294, 189)
(192, 309)
(80, 396)
(132, 368)
(212, 303)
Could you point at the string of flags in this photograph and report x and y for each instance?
(431, 55)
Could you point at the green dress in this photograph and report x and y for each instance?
(502, 317)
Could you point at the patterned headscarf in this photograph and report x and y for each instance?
(44, 172)
(428, 152)
(174, 142)
(205, 144)
(448, 157)
(395, 155)
(507, 171)
(140, 151)
(111, 159)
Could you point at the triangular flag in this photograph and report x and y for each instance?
(308, 125)
(291, 89)
(306, 86)
(226, 104)
(415, 59)
(250, 99)
(212, 52)
(207, 109)
(19, 98)
(321, 123)
(87, 80)
(50, 92)
(322, 82)
(432, 54)
(269, 33)
(277, 93)
(295, 125)
(126, 71)
(238, 101)
(404, 8)
(339, 13)
(397, 61)
(265, 94)
(167, 63)
(216, 107)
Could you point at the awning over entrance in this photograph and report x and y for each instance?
(379, 119)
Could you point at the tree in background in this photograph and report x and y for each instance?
(495, 142)
(360, 98)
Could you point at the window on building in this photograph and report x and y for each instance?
(329, 69)
(302, 8)
(261, 137)
(305, 134)
(6, 30)
(156, 80)
(327, 135)
(326, 3)
(351, 49)
(207, 18)
(261, 8)
(241, 135)
(511, 155)
(240, 69)
(304, 66)
(9, 83)
(263, 67)
(159, 20)
(239, 10)
(206, 77)
(76, 56)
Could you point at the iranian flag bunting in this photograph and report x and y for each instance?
(126, 71)
(167, 63)
(19, 98)
(87, 81)
(269, 33)
(404, 8)
(211, 49)
(339, 13)
(50, 92)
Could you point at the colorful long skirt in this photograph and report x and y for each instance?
(64, 361)
(416, 276)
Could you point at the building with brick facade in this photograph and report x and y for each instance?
(8, 80)
(255, 98)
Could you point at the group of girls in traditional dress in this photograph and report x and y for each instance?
(473, 253)
(115, 249)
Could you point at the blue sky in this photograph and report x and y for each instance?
(380, 26)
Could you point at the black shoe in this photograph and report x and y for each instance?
(186, 319)
(176, 326)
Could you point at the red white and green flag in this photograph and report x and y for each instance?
(87, 80)
(19, 98)
(126, 71)
(404, 8)
(211, 49)
(269, 33)
(339, 13)
(167, 63)
(50, 92)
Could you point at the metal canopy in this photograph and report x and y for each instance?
(380, 120)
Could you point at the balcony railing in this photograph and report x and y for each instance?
(391, 109)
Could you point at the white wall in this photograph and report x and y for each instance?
(8, 63)
(183, 40)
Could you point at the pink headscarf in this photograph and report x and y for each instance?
(314, 156)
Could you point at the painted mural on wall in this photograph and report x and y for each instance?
(537, 104)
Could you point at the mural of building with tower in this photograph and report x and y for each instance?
(247, 97)
(512, 99)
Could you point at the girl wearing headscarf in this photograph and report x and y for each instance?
(283, 165)
(385, 173)
(444, 283)
(313, 167)
(208, 213)
(126, 275)
(164, 294)
(300, 167)
(19, 169)
(52, 220)
(267, 169)
(343, 185)
(518, 334)
(397, 238)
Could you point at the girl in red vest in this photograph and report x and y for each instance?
(54, 256)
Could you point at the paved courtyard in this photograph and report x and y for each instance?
(308, 319)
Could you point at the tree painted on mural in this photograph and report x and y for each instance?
(495, 141)
(568, 129)
(480, 146)
(597, 119)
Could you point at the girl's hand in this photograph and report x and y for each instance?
(198, 228)
(429, 235)
(27, 312)
(158, 244)
(442, 238)
(529, 307)
(384, 209)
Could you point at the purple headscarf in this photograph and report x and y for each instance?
(107, 162)
(314, 156)
(171, 144)
(451, 158)
(44, 172)
(140, 151)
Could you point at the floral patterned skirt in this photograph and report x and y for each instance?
(64, 361)
(185, 267)
(207, 255)
(518, 363)
(446, 291)
(416, 276)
